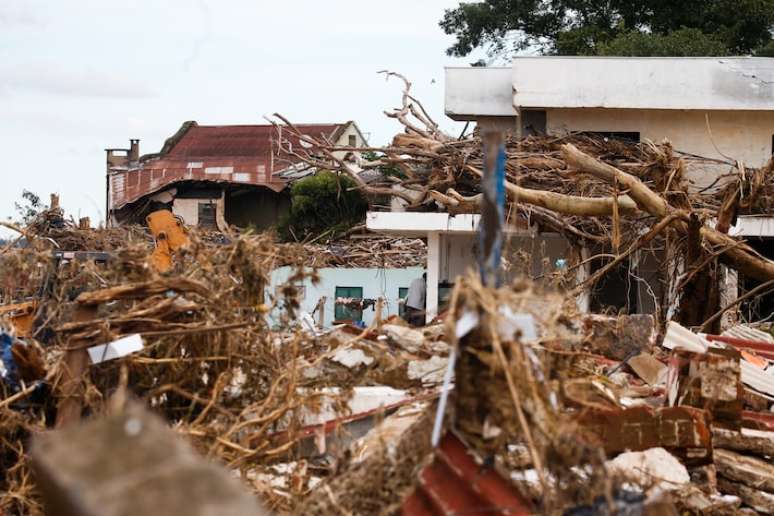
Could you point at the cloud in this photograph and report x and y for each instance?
(88, 83)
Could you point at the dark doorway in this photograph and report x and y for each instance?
(616, 291)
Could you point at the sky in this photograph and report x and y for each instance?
(80, 76)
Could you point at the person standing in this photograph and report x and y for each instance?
(415, 301)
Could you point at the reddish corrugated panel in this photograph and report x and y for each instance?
(130, 185)
(203, 141)
(455, 483)
(763, 348)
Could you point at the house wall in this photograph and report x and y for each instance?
(375, 283)
(188, 209)
(539, 254)
(344, 140)
(741, 135)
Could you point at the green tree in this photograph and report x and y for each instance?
(620, 27)
(682, 42)
(323, 202)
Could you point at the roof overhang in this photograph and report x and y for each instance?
(419, 224)
(680, 83)
(711, 83)
(753, 226)
(476, 92)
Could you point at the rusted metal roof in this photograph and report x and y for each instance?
(241, 154)
(456, 483)
(256, 141)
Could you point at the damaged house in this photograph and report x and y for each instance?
(211, 175)
(718, 114)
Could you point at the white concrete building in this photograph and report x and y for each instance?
(365, 283)
(452, 242)
(721, 108)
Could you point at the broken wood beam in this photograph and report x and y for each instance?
(748, 440)
(761, 501)
(74, 364)
(750, 471)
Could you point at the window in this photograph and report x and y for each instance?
(352, 140)
(626, 136)
(533, 122)
(344, 312)
(207, 215)
(402, 295)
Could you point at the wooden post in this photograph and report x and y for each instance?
(493, 202)
(321, 309)
(379, 307)
(433, 275)
(75, 364)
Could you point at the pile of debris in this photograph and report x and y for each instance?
(514, 402)
(618, 199)
(574, 414)
(555, 410)
(92, 321)
(366, 252)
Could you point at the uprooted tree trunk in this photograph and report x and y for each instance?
(700, 295)
(734, 253)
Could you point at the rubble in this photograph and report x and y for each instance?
(539, 403)
(655, 467)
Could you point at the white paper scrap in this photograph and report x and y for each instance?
(116, 349)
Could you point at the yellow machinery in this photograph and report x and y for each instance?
(170, 236)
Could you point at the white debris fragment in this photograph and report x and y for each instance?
(408, 338)
(653, 467)
(351, 357)
(679, 337)
(510, 323)
(430, 372)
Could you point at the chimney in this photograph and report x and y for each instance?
(134, 151)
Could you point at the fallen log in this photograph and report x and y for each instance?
(143, 290)
(733, 252)
(566, 204)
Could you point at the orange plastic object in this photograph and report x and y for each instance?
(170, 236)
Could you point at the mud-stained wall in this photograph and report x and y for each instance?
(741, 135)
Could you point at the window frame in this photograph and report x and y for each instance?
(214, 221)
(344, 313)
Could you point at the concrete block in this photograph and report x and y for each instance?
(132, 464)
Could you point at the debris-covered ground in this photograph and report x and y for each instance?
(512, 401)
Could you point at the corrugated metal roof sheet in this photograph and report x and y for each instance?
(741, 331)
(127, 186)
(455, 483)
(247, 154)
